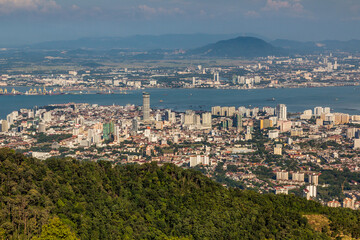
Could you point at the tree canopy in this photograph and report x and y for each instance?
(89, 200)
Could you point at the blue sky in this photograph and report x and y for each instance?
(26, 21)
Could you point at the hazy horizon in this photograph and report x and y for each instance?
(32, 21)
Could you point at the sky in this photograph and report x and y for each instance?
(30, 21)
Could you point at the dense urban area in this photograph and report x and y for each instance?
(313, 154)
(268, 72)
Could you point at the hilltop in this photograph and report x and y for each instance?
(99, 201)
(238, 47)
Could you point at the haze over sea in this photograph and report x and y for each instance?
(339, 99)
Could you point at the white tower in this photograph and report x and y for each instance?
(146, 106)
(281, 112)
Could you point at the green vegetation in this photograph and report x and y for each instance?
(42, 138)
(89, 200)
(337, 181)
(56, 229)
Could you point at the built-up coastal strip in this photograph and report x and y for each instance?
(314, 154)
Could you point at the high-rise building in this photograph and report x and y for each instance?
(206, 120)
(216, 111)
(42, 127)
(314, 179)
(199, 159)
(11, 117)
(170, 116)
(194, 81)
(281, 111)
(108, 130)
(310, 192)
(225, 111)
(356, 143)
(146, 106)
(350, 132)
(298, 176)
(282, 175)
(237, 121)
(197, 119)
(135, 126)
(189, 118)
(4, 126)
(266, 123)
(216, 77)
(278, 149)
(318, 111)
(306, 115)
(47, 117)
(226, 124)
(231, 111)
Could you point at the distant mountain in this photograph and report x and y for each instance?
(319, 46)
(140, 42)
(238, 47)
(347, 46)
(295, 45)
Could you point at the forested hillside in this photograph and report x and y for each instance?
(97, 201)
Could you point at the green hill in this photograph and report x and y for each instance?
(238, 47)
(98, 201)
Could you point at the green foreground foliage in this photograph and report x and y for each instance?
(97, 201)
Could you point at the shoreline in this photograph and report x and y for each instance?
(125, 92)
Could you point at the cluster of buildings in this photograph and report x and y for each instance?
(258, 147)
(305, 71)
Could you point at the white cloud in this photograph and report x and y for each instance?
(276, 5)
(10, 6)
(252, 14)
(158, 10)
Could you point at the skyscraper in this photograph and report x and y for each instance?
(216, 77)
(281, 111)
(206, 119)
(146, 106)
(4, 126)
(135, 126)
(237, 121)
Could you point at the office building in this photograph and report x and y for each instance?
(237, 121)
(216, 77)
(146, 106)
(135, 126)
